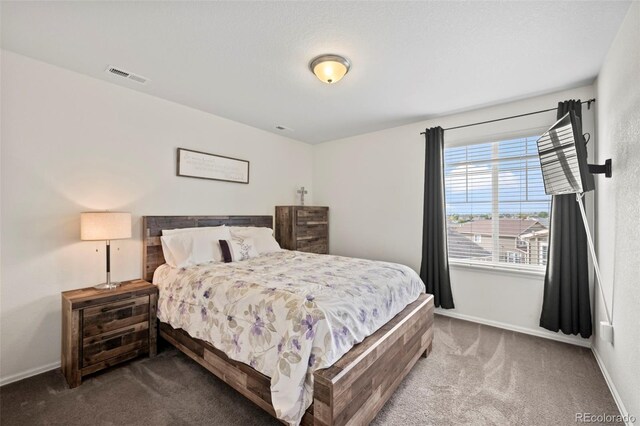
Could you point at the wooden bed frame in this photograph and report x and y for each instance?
(352, 390)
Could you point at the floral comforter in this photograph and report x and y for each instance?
(286, 313)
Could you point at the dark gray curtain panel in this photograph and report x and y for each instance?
(566, 304)
(435, 258)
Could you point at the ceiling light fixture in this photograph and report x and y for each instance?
(329, 68)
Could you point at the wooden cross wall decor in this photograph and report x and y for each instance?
(302, 191)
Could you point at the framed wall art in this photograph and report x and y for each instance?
(203, 165)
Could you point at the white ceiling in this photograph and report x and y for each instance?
(247, 61)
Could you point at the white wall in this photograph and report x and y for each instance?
(373, 184)
(71, 143)
(618, 210)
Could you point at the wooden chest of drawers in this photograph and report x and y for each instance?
(303, 228)
(101, 328)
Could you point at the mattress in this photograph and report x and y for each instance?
(286, 313)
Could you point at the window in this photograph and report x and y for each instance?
(495, 189)
(522, 243)
(513, 257)
(544, 249)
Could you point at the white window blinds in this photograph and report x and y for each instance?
(497, 211)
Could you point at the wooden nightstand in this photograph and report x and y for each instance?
(101, 328)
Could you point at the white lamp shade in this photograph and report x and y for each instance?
(101, 226)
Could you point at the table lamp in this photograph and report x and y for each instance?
(105, 226)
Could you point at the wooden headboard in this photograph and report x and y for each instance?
(152, 227)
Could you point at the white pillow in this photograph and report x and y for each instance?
(191, 248)
(181, 230)
(237, 249)
(262, 237)
(176, 250)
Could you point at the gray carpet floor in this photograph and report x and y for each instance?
(475, 375)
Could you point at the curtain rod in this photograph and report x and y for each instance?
(589, 102)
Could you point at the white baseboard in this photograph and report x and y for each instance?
(28, 373)
(539, 333)
(612, 387)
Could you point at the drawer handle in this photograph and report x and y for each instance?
(110, 308)
(130, 330)
(122, 333)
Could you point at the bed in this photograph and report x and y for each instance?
(337, 383)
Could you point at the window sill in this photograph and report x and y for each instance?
(501, 269)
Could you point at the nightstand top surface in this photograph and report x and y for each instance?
(90, 295)
(306, 207)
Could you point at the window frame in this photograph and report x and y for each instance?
(508, 268)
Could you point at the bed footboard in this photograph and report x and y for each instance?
(351, 391)
(355, 388)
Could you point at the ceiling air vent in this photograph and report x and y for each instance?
(116, 71)
(126, 74)
(283, 128)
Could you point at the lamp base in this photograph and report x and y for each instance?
(107, 286)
